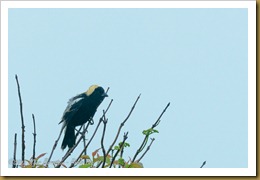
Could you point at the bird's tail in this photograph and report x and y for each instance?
(69, 138)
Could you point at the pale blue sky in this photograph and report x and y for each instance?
(194, 58)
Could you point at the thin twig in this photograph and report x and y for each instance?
(120, 148)
(15, 144)
(70, 151)
(54, 146)
(159, 118)
(78, 131)
(34, 140)
(121, 125)
(146, 137)
(147, 149)
(122, 152)
(22, 120)
(102, 139)
(203, 164)
(121, 155)
(142, 146)
(107, 89)
(84, 143)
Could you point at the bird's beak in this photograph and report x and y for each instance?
(104, 94)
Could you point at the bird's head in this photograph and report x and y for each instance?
(96, 91)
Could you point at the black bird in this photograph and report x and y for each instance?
(79, 110)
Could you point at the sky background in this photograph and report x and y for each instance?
(196, 59)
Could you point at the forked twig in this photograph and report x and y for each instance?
(120, 127)
(122, 124)
(146, 137)
(102, 139)
(147, 149)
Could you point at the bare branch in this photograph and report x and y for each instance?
(147, 136)
(54, 146)
(121, 125)
(84, 128)
(22, 120)
(147, 149)
(34, 140)
(203, 164)
(102, 139)
(107, 89)
(84, 142)
(15, 145)
(158, 120)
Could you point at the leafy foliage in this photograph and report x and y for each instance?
(96, 159)
(33, 163)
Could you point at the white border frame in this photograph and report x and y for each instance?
(250, 171)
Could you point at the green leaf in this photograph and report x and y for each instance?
(98, 159)
(150, 131)
(85, 157)
(121, 161)
(85, 165)
(126, 144)
(28, 166)
(155, 131)
(136, 165)
(116, 147)
(40, 166)
(145, 132)
(101, 158)
(108, 160)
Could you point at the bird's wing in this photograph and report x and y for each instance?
(73, 106)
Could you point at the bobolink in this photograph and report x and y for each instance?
(79, 110)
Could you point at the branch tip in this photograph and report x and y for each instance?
(107, 89)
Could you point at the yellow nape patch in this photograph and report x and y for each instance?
(91, 89)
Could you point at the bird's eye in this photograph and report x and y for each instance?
(101, 91)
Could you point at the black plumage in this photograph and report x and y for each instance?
(79, 110)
